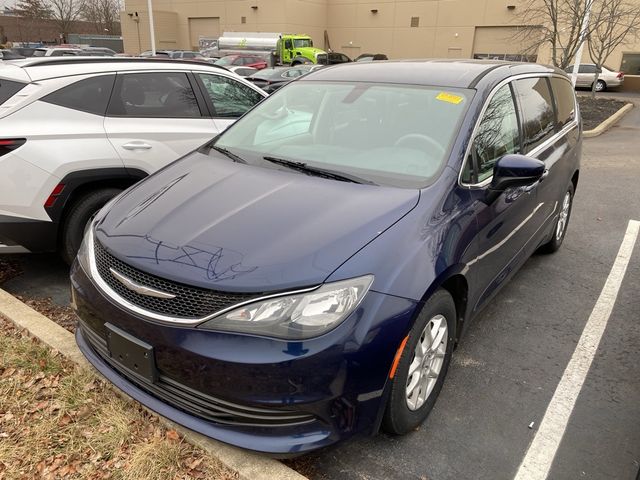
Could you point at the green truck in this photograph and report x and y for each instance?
(285, 48)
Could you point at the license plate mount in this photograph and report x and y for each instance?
(130, 353)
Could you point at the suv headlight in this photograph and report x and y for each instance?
(299, 316)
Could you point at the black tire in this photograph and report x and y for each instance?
(398, 417)
(76, 219)
(601, 86)
(554, 244)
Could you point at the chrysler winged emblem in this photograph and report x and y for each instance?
(141, 289)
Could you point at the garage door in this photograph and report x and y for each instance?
(203, 27)
(506, 43)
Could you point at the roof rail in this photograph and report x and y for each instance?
(71, 60)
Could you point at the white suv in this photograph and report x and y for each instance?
(75, 131)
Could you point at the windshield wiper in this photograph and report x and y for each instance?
(320, 172)
(229, 154)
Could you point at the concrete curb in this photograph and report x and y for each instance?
(608, 123)
(250, 466)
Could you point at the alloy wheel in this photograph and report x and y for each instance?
(564, 216)
(427, 362)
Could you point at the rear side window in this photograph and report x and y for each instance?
(538, 116)
(230, 98)
(8, 88)
(90, 95)
(587, 69)
(158, 95)
(565, 101)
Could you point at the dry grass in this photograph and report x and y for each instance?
(58, 421)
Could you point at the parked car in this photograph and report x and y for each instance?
(332, 58)
(242, 71)
(99, 51)
(158, 54)
(271, 79)
(6, 54)
(608, 78)
(305, 276)
(252, 61)
(76, 131)
(177, 55)
(187, 55)
(370, 57)
(23, 51)
(56, 52)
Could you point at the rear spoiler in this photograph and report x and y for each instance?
(16, 98)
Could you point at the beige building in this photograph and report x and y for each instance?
(398, 28)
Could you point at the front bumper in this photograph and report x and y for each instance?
(267, 395)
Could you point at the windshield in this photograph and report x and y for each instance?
(225, 61)
(302, 42)
(267, 73)
(386, 134)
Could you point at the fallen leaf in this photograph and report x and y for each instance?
(193, 465)
(64, 420)
(172, 435)
(67, 470)
(89, 386)
(6, 417)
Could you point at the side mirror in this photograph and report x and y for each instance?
(516, 171)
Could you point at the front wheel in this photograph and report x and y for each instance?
(422, 366)
(76, 220)
(562, 222)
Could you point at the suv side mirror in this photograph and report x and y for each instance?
(516, 171)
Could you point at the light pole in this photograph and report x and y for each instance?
(152, 34)
(583, 32)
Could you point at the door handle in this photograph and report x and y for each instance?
(136, 146)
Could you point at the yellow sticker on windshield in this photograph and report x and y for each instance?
(450, 98)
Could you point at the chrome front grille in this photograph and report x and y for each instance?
(189, 302)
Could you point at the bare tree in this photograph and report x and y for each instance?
(65, 12)
(613, 23)
(32, 11)
(104, 14)
(559, 22)
(37, 9)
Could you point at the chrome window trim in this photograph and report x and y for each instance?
(165, 319)
(569, 126)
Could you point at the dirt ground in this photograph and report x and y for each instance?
(9, 268)
(594, 112)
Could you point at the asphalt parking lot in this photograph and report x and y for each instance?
(506, 369)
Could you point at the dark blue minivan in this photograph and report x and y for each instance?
(305, 276)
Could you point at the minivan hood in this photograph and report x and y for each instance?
(228, 226)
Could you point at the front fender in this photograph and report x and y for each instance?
(423, 249)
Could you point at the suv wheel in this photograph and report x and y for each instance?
(422, 366)
(76, 220)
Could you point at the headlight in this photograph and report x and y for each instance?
(296, 317)
(85, 249)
